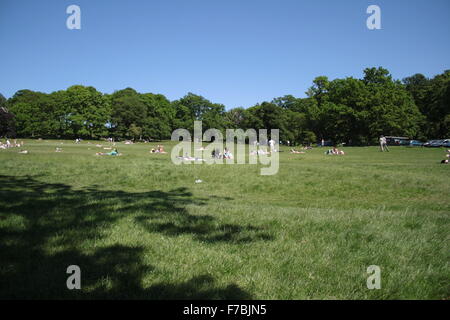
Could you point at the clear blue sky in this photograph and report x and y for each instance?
(235, 52)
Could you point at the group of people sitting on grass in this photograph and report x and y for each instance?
(216, 154)
(9, 144)
(158, 149)
(334, 151)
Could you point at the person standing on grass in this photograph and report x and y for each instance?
(383, 144)
(272, 145)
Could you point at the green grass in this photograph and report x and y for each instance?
(139, 227)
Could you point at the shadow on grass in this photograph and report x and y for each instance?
(45, 227)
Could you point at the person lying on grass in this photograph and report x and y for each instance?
(159, 149)
(335, 151)
(112, 153)
(295, 151)
(260, 151)
(189, 158)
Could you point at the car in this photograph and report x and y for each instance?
(433, 143)
(437, 144)
(446, 143)
(403, 142)
(415, 143)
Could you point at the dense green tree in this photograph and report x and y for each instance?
(184, 118)
(355, 111)
(159, 116)
(319, 89)
(127, 109)
(7, 123)
(89, 111)
(432, 96)
(195, 107)
(32, 111)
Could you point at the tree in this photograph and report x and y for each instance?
(195, 107)
(127, 108)
(7, 124)
(88, 111)
(159, 116)
(31, 110)
(432, 97)
(378, 75)
(319, 89)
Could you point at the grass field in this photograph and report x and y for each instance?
(140, 227)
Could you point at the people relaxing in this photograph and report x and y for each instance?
(189, 158)
(112, 153)
(216, 154)
(334, 151)
(227, 154)
(158, 149)
(259, 152)
(295, 151)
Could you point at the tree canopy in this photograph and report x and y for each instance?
(350, 110)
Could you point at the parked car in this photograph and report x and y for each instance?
(415, 143)
(433, 143)
(446, 143)
(403, 143)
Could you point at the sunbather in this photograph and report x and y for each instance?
(112, 153)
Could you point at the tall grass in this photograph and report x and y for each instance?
(140, 227)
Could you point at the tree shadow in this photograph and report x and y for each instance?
(46, 227)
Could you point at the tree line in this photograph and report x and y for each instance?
(352, 111)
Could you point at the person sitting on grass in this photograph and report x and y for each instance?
(161, 149)
(227, 154)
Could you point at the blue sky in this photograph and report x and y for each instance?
(235, 52)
